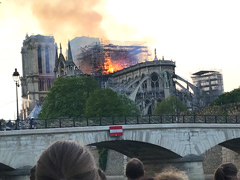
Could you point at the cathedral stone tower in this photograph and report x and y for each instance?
(38, 61)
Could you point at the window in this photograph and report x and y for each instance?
(47, 60)
(39, 59)
(48, 84)
(40, 87)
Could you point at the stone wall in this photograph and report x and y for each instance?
(116, 164)
(212, 159)
(215, 156)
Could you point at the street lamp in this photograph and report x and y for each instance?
(16, 80)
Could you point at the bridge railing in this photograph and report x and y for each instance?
(106, 121)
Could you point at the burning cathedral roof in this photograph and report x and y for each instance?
(104, 57)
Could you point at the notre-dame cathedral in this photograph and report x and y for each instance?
(123, 67)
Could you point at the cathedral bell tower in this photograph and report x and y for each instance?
(38, 58)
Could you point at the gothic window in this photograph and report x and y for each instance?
(40, 85)
(152, 84)
(48, 84)
(154, 77)
(149, 110)
(43, 83)
(47, 60)
(61, 69)
(39, 59)
(155, 81)
(144, 85)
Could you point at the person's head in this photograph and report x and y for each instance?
(171, 173)
(134, 169)
(227, 171)
(66, 160)
(32, 173)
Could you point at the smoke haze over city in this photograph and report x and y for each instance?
(197, 35)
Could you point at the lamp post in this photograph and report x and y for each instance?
(16, 80)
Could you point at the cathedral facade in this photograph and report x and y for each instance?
(38, 54)
(41, 64)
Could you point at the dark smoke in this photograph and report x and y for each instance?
(66, 19)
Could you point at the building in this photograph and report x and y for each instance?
(122, 66)
(145, 83)
(38, 53)
(41, 65)
(210, 83)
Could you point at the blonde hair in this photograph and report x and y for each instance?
(66, 160)
(171, 173)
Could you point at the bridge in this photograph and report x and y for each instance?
(157, 145)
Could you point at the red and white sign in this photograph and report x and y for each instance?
(116, 130)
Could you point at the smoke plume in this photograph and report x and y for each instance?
(68, 19)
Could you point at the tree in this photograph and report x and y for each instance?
(131, 107)
(67, 97)
(105, 103)
(171, 105)
(227, 98)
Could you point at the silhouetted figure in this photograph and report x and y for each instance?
(9, 125)
(66, 160)
(227, 171)
(32, 173)
(134, 169)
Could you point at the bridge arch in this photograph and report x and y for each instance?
(141, 150)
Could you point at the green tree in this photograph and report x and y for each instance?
(170, 106)
(67, 97)
(131, 107)
(227, 98)
(105, 103)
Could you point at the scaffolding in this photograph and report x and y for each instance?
(210, 83)
(107, 56)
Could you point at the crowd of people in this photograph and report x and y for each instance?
(69, 160)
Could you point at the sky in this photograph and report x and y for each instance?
(198, 35)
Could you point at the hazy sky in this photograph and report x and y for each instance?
(196, 34)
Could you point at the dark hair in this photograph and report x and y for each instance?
(66, 160)
(225, 172)
(32, 173)
(134, 169)
(147, 178)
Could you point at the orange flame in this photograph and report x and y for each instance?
(109, 67)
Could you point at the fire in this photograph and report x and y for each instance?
(109, 67)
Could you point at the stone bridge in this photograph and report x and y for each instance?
(155, 144)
